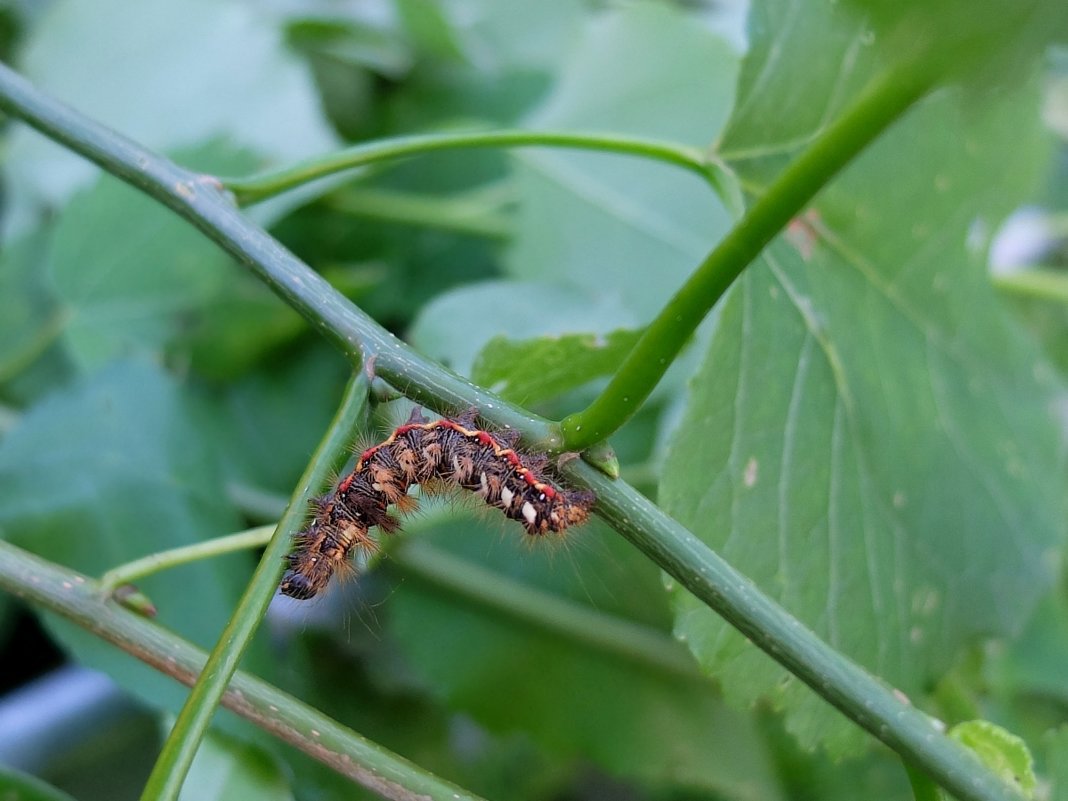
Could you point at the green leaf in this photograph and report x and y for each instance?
(431, 31)
(113, 469)
(128, 271)
(241, 326)
(1034, 662)
(775, 116)
(869, 438)
(618, 226)
(18, 786)
(226, 768)
(335, 675)
(512, 310)
(508, 34)
(981, 41)
(293, 399)
(1000, 750)
(514, 670)
(351, 42)
(221, 67)
(533, 370)
(30, 318)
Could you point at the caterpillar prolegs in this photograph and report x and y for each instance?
(449, 451)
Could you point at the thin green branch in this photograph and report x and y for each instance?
(857, 693)
(202, 201)
(164, 560)
(260, 187)
(83, 602)
(660, 343)
(168, 774)
(467, 580)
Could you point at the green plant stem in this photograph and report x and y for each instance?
(164, 560)
(202, 201)
(551, 613)
(257, 188)
(859, 695)
(1039, 283)
(466, 580)
(661, 341)
(83, 602)
(168, 774)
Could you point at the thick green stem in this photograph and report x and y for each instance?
(661, 342)
(260, 187)
(83, 602)
(168, 774)
(859, 695)
(201, 200)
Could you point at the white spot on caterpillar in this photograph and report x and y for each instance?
(529, 513)
(484, 485)
(506, 497)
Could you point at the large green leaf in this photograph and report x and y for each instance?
(113, 469)
(127, 271)
(613, 225)
(532, 370)
(332, 674)
(267, 423)
(870, 438)
(571, 693)
(1034, 663)
(29, 314)
(169, 75)
(509, 310)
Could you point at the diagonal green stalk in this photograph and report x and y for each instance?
(130, 572)
(168, 774)
(84, 602)
(860, 696)
(463, 579)
(656, 349)
(202, 201)
(863, 698)
(260, 187)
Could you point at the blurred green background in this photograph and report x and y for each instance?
(152, 394)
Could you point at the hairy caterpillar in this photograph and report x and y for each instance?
(450, 451)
